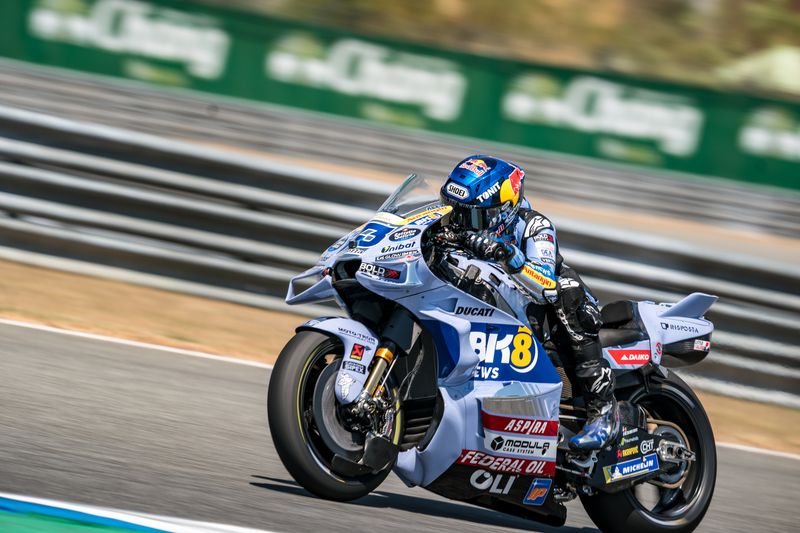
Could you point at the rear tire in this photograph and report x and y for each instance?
(622, 512)
(299, 447)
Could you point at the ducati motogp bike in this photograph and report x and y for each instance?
(435, 374)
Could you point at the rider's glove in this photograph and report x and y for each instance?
(484, 246)
(516, 259)
(488, 246)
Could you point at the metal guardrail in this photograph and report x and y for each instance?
(228, 226)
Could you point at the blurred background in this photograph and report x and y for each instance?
(166, 166)
(736, 44)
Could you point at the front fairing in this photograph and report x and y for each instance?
(389, 248)
(387, 260)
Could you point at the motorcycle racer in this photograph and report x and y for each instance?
(498, 223)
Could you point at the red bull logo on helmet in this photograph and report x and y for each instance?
(516, 180)
(476, 166)
(510, 189)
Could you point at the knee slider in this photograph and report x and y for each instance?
(589, 317)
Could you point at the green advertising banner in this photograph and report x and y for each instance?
(577, 112)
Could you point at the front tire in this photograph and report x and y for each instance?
(292, 420)
(676, 510)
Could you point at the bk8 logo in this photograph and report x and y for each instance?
(516, 350)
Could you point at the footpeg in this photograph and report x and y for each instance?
(583, 461)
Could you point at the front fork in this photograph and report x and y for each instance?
(399, 335)
(377, 406)
(372, 401)
(384, 359)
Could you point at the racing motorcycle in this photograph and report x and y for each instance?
(437, 374)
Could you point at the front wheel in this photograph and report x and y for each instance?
(306, 423)
(678, 502)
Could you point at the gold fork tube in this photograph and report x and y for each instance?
(383, 357)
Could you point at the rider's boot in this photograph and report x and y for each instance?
(602, 415)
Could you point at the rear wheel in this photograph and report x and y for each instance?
(306, 422)
(677, 501)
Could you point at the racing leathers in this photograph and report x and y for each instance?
(532, 258)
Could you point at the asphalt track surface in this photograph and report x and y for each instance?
(134, 428)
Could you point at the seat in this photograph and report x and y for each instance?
(616, 337)
(621, 324)
(617, 313)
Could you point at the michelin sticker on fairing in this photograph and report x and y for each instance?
(631, 468)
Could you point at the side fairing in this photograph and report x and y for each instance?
(630, 356)
(489, 429)
(476, 341)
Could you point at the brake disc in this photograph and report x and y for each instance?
(337, 437)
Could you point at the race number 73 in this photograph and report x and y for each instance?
(513, 349)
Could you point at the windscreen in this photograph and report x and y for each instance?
(414, 193)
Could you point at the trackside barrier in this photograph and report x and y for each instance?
(170, 214)
(600, 115)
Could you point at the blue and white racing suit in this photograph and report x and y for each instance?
(537, 265)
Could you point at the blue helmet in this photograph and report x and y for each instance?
(485, 193)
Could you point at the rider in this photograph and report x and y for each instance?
(487, 197)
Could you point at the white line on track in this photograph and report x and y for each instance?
(164, 523)
(137, 344)
(762, 451)
(226, 359)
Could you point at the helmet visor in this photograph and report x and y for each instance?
(475, 218)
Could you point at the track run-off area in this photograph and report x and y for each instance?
(160, 431)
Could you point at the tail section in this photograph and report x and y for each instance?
(693, 306)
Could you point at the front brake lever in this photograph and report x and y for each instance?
(448, 236)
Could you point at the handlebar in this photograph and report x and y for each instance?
(481, 245)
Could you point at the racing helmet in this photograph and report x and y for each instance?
(485, 193)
